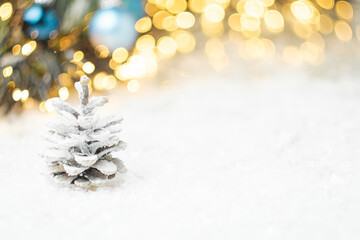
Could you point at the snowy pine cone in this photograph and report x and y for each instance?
(80, 143)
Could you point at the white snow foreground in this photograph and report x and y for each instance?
(80, 142)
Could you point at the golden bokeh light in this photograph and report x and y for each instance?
(28, 48)
(78, 56)
(133, 86)
(65, 79)
(5, 11)
(113, 64)
(176, 6)
(344, 10)
(42, 107)
(7, 71)
(102, 81)
(98, 81)
(120, 54)
(326, 4)
(185, 20)
(326, 24)
(302, 10)
(167, 45)
(274, 21)
(343, 30)
(48, 106)
(151, 9)
(29, 103)
(16, 94)
(24, 95)
(185, 41)
(145, 43)
(101, 51)
(254, 8)
(159, 17)
(268, 3)
(197, 6)
(240, 6)
(250, 23)
(169, 23)
(211, 29)
(16, 49)
(234, 22)
(88, 67)
(64, 93)
(214, 13)
(143, 25)
(137, 64)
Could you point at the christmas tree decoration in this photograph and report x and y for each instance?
(113, 27)
(128, 39)
(81, 143)
(41, 23)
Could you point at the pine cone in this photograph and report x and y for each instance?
(81, 143)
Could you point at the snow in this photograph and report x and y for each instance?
(270, 154)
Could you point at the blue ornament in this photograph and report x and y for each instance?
(33, 14)
(40, 22)
(113, 27)
(135, 7)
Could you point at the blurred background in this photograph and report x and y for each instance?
(46, 45)
(241, 117)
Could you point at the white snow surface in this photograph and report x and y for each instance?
(270, 154)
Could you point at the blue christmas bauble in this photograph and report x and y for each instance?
(135, 7)
(40, 22)
(33, 14)
(113, 27)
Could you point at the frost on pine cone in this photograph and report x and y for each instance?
(80, 143)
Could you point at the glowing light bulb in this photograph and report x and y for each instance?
(7, 72)
(133, 86)
(88, 67)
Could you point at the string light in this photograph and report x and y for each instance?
(344, 10)
(274, 21)
(6, 11)
(16, 94)
(214, 13)
(246, 21)
(42, 107)
(24, 95)
(7, 71)
(343, 30)
(302, 10)
(133, 86)
(16, 49)
(88, 67)
(185, 20)
(28, 48)
(102, 51)
(64, 93)
(143, 25)
(120, 55)
(78, 56)
(167, 45)
(48, 106)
